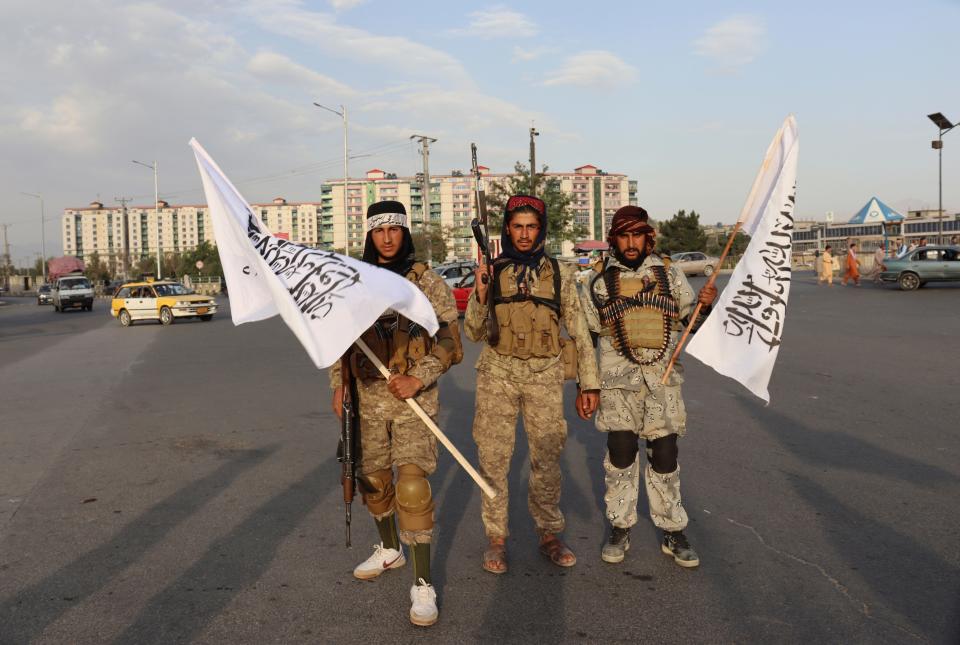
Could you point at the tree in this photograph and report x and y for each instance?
(146, 265)
(439, 246)
(681, 232)
(96, 269)
(204, 252)
(560, 216)
(716, 244)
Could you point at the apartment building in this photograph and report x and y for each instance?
(120, 234)
(596, 197)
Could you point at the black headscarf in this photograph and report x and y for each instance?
(532, 257)
(404, 258)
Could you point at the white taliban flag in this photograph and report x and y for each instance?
(741, 336)
(328, 300)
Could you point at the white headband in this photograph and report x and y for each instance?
(386, 219)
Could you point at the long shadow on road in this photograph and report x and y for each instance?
(229, 566)
(25, 615)
(842, 451)
(913, 581)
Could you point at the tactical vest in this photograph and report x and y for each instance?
(397, 341)
(638, 313)
(529, 319)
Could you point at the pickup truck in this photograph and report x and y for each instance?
(72, 291)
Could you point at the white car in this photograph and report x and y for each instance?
(72, 291)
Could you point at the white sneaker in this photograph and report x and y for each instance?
(423, 612)
(381, 560)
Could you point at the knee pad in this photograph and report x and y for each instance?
(378, 491)
(623, 446)
(414, 499)
(662, 454)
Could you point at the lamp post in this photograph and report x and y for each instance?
(342, 113)
(156, 207)
(943, 124)
(43, 235)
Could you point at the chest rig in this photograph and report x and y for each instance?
(528, 314)
(394, 339)
(638, 313)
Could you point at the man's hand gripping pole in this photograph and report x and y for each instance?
(481, 482)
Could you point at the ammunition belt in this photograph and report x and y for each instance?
(614, 309)
(611, 312)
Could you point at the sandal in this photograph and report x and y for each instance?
(552, 547)
(495, 558)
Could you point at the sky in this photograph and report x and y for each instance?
(682, 97)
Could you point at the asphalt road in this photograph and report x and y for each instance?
(179, 484)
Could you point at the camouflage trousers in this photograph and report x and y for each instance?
(652, 414)
(391, 435)
(499, 400)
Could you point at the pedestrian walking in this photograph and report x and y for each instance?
(391, 435)
(521, 370)
(827, 265)
(853, 266)
(638, 304)
(878, 265)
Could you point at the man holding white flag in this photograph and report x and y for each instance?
(328, 301)
(742, 337)
(391, 435)
(636, 303)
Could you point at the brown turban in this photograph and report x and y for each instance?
(631, 219)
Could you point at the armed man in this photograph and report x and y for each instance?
(391, 435)
(521, 370)
(637, 303)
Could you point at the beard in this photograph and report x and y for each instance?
(635, 262)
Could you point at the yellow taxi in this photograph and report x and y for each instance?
(161, 300)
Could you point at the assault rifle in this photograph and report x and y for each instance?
(349, 440)
(481, 232)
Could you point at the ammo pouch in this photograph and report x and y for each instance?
(529, 323)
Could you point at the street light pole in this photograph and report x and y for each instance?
(342, 113)
(944, 126)
(156, 208)
(43, 235)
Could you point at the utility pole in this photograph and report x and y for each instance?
(156, 208)
(425, 142)
(533, 161)
(342, 113)
(43, 232)
(124, 231)
(6, 257)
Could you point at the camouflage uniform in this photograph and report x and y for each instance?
(533, 386)
(633, 399)
(391, 434)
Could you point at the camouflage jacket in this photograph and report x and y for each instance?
(617, 371)
(428, 368)
(525, 370)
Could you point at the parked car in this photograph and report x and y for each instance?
(695, 263)
(72, 291)
(923, 265)
(164, 301)
(453, 272)
(462, 291)
(44, 295)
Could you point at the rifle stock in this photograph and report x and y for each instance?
(481, 231)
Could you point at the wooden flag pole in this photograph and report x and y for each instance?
(481, 482)
(747, 207)
(696, 312)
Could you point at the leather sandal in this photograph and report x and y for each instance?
(495, 557)
(553, 548)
